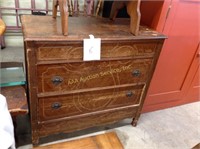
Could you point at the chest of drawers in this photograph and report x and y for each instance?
(68, 94)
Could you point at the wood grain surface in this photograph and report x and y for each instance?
(103, 141)
(66, 93)
(16, 99)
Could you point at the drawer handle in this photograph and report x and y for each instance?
(57, 80)
(56, 105)
(129, 94)
(136, 73)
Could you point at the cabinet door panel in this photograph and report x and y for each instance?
(182, 29)
(193, 89)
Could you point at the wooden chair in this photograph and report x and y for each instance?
(133, 9)
(98, 7)
(15, 95)
(63, 13)
(88, 7)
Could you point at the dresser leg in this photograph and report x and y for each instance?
(35, 141)
(134, 122)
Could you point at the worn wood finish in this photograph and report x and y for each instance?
(88, 101)
(92, 119)
(102, 141)
(68, 94)
(15, 95)
(16, 99)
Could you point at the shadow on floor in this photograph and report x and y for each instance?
(23, 131)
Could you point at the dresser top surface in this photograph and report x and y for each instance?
(46, 28)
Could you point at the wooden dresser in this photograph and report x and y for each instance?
(68, 94)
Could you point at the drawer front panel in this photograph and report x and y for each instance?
(86, 121)
(86, 102)
(108, 50)
(76, 76)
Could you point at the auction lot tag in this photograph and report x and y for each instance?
(91, 48)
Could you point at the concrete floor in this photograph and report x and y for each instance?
(173, 128)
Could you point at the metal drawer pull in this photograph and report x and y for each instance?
(57, 80)
(136, 73)
(129, 94)
(56, 105)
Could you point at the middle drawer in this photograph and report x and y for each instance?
(84, 75)
(89, 101)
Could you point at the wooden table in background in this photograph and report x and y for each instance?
(103, 141)
(16, 100)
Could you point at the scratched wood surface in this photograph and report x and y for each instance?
(67, 93)
(15, 95)
(86, 102)
(79, 28)
(16, 99)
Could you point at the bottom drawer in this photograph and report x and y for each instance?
(87, 102)
(70, 125)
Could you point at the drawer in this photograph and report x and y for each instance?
(94, 74)
(108, 50)
(82, 122)
(89, 101)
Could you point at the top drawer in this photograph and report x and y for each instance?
(93, 74)
(50, 51)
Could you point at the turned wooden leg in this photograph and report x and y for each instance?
(2, 42)
(70, 7)
(76, 7)
(63, 13)
(98, 7)
(55, 8)
(64, 16)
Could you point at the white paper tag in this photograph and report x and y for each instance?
(92, 49)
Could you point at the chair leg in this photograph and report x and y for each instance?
(2, 42)
(64, 16)
(63, 13)
(55, 8)
(133, 9)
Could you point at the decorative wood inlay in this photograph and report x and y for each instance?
(107, 50)
(85, 122)
(80, 103)
(68, 94)
(92, 74)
